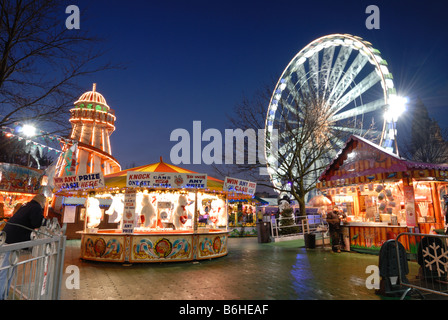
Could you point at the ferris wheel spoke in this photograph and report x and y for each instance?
(367, 83)
(314, 72)
(286, 147)
(357, 131)
(287, 121)
(359, 110)
(354, 69)
(338, 142)
(327, 60)
(295, 95)
(320, 165)
(339, 66)
(290, 108)
(304, 86)
(288, 136)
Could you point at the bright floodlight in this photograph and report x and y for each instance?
(28, 130)
(397, 105)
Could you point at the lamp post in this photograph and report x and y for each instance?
(395, 108)
(28, 131)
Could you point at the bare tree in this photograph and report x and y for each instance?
(249, 114)
(40, 63)
(426, 142)
(429, 145)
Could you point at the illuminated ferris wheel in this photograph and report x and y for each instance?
(350, 86)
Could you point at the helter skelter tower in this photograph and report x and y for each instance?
(93, 121)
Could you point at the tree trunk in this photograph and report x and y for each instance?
(301, 201)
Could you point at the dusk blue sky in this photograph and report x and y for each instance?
(195, 60)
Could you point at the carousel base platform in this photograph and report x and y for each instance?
(155, 246)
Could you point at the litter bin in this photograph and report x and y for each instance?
(263, 231)
(310, 240)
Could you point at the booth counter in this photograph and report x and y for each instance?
(155, 246)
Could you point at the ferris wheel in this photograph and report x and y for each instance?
(350, 85)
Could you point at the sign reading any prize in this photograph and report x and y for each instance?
(80, 181)
(166, 180)
(239, 186)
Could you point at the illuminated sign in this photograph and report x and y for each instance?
(80, 181)
(166, 180)
(239, 186)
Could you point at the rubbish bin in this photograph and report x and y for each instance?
(310, 240)
(263, 231)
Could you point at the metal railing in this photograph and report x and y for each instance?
(300, 226)
(427, 264)
(32, 270)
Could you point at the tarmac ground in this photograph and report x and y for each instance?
(251, 271)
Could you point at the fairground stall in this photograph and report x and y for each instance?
(383, 194)
(18, 185)
(162, 213)
(243, 215)
(242, 207)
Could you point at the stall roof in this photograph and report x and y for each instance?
(118, 179)
(360, 157)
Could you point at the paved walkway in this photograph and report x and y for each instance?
(251, 271)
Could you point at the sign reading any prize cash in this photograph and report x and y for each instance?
(166, 180)
(239, 186)
(80, 181)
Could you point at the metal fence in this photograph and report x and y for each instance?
(32, 270)
(415, 264)
(298, 226)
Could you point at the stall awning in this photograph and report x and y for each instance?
(118, 179)
(361, 161)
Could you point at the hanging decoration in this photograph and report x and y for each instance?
(32, 146)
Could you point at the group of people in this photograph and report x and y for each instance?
(334, 218)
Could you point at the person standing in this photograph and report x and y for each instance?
(18, 229)
(260, 216)
(334, 218)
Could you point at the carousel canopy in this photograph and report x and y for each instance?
(118, 179)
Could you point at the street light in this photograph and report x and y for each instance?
(29, 130)
(396, 107)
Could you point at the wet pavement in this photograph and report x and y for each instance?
(250, 271)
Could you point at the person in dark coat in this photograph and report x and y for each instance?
(18, 229)
(334, 222)
(30, 216)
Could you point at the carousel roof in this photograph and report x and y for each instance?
(118, 179)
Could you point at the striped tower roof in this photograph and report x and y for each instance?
(92, 96)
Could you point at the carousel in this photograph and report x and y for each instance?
(160, 213)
